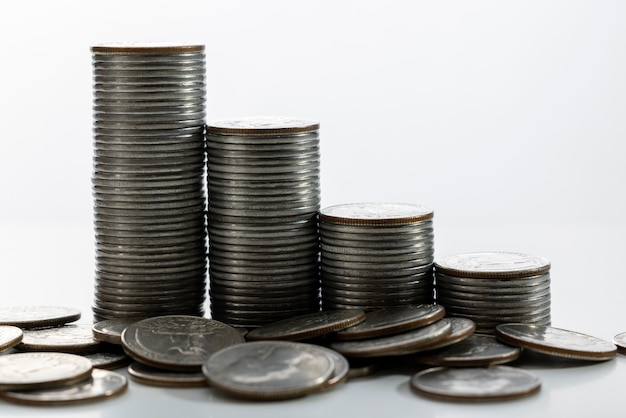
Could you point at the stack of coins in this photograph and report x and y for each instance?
(148, 180)
(263, 202)
(376, 255)
(494, 287)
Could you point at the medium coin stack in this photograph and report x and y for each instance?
(376, 255)
(494, 287)
(263, 201)
(148, 180)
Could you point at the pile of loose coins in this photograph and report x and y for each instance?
(495, 287)
(148, 180)
(46, 359)
(376, 255)
(263, 200)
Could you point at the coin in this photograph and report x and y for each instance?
(375, 213)
(392, 320)
(462, 328)
(342, 368)
(158, 377)
(475, 384)
(10, 336)
(396, 344)
(107, 359)
(269, 370)
(71, 338)
(475, 351)
(37, 370)
(37, 316)
(620, 341)
(308, 326)
(177, 342)
(110, 331)
(557, 342)
(492, 264)
(102, 384)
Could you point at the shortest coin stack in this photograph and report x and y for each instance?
(376, 255)
(491, 288)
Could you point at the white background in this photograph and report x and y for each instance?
(507, 118)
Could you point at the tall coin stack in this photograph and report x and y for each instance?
(491, 288)
(376, 255)
(149, 180)
(264, 197)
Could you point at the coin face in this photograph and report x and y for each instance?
(392, 320)
(37, 316)
(177, 342)
(102, 384)
(20, 371)
(492, 264)
(158, 377)
(307, 326)
(375, 213)
(556, 341)
(71, 338)
(10, 336)
(475, 383)
(269, 370)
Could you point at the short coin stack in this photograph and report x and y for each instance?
(494, 287)
(148, 180)
(376, 255)
(263, 201)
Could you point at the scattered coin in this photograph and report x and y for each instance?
(38, 316)
(177, 342)
(10, 336)
(475, 384)
(269, 370)
(109, 360)
(38, 370)
(475, 351)
(342, 368)
(102, 384)
(392, 320)
(396, 344)
(556, 341)
(110, 331)
(303, 327)
(158, 377)
(620, 341)
(71, 338)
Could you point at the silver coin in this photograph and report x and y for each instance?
(620, 341)
(10, 336)
(493, 264)
(528, 302)
(273, 375)
(110, 331)
(424, 234)
(241, 201)
(127, 155)
(71, 338)
(101, 384)
(492, 282)
(391, 321)
(306, 224)
(148, 185)
(376, 302)
(304, 175)
(284, 232)
(475, 383)
(141, 302)
(156, 278)
(305, 282)
(420, 260)
(475, 351)
(258, 206)
(103, 313)
(107, 360)
(270, 306)
(163, 193)
(397, 343)
(26, 371)
(151, 241)
(226, 288)
(261, 300)
(286, 158)
(556, 341)
(308, 260)
(158, 377)
(543, 291)
(347, 253)
(38, 316)
(399, 246)
(372, 213)
(149, 257)
(261, 154)
(251, 257)
(377, 286)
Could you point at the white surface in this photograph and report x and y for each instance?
(507, 118)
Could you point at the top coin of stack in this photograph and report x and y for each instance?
(376, 255)
(263, 201)
(494, 287)
(148, 180)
